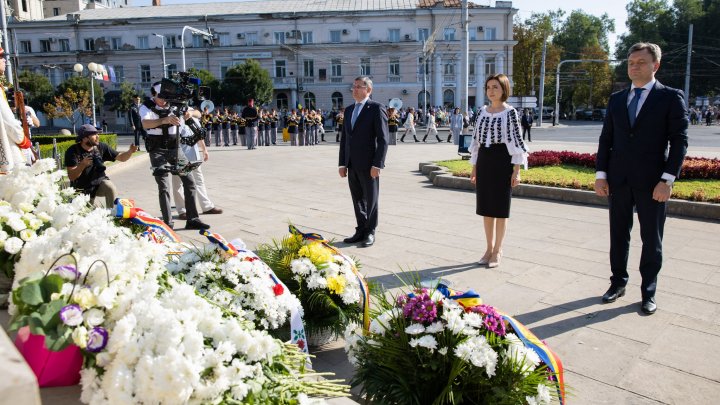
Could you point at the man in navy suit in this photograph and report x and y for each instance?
(640, 153)
(363, 146)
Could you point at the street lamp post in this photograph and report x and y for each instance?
(182, 39)
(162, 42)
(92, 68)
(556, 116)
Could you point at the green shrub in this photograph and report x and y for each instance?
(66, 141)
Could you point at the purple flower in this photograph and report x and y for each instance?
(67, 271)
(71, 315)
(491, 318)
(97, 339)
(419, 307)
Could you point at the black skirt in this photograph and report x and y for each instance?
(492, 188)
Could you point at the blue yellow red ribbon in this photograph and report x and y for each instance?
(220, 241)
(543, 351)
(467, 298)
(364, 290)
(125, 208)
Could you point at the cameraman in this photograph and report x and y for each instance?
(162, 145)
(85, 167)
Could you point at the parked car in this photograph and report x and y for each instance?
(598, 114)
(583, 114)
(547, 113)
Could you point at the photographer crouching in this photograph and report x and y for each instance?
(161, 123)
(86, 168)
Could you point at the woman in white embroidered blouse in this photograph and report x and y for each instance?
(497, 152)
(432, 126)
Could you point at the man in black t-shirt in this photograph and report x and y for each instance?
(85, 167)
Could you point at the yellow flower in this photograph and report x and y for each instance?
(336, 284)
(316, 252)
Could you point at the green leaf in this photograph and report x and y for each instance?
(50, 313)
(31, 294)
(56, 343)
(51, 284)
(35, 324)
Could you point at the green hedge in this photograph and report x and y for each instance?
(66, 141)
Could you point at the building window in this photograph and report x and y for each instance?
(365, 66)
(25, 47)
(282, 100)
(449, 34)
(89, 44)
(424, 99)
(170, 41)
(279, 37)
(119, 73)
(64, 45)
(308, 68)
(449, 98)
(449, 68)
(251, 38)
(335, 36)
(198, 41)
(115, 43)
(423, 34)
(489, 66)
(145, 76)
(394, 35)
(471, 69)
(56, 11)
(472, 34)
(199, 65)
(44, 45)
(24, 6)
(490, 34)
(309, 100)
(280, 68)
(172, 68)
(364, 35)
(307, 37)
(142, 42)
(223, 38)
(394, 66)
(335, 68)
(224, 66)
(337, 100)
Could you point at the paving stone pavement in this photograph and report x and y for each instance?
(554, 269)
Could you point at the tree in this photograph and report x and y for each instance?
(245, 81)
(527, 54)
(126, 98)
(37, 88)
(77, 83)
(71, 105)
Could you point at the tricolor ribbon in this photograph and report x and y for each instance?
(297, 329)
(543, 351)
(467, 298)
(125, 208)
(360, 279)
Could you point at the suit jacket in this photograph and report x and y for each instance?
(657, 143)
(365, 145)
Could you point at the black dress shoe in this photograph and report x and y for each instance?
(369, 240)
(355, 238)
(195, 223)
(649, 306)
(613, 293)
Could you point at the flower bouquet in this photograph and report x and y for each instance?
(331, 290)
(147, 336)
(442, 347)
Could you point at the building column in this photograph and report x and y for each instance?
(500, 64)
(479, 80)
(437, 81)
(458, 82)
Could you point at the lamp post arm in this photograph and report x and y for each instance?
(182, 39)
(556, 117)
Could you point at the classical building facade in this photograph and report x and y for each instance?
(312, 50)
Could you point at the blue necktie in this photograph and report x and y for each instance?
(356, 112)
(632, 108)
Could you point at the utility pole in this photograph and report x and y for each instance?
(542, 83)
(424, 69)
(687, 65)
(464, 59)
(532, 75)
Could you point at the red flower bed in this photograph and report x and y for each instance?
(693, 167)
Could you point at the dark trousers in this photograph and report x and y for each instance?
(651, 215)
(139, 133)
(158, 157)
(365, 192)
(527, 130)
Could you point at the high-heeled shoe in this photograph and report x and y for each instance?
(485, 259)
(495, 260)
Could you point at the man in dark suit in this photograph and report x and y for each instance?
(363, 146)
(640, 153)
(136, 120)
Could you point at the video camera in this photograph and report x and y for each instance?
(181, 92)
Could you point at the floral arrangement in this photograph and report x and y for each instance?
(331, 290)
(441, 347)
(242, 284)
(146, 336)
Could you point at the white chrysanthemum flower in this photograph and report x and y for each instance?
(13, 245)
(415, 329)
(443, 351)
(435, 327)
(477, 351)
(428, 342)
